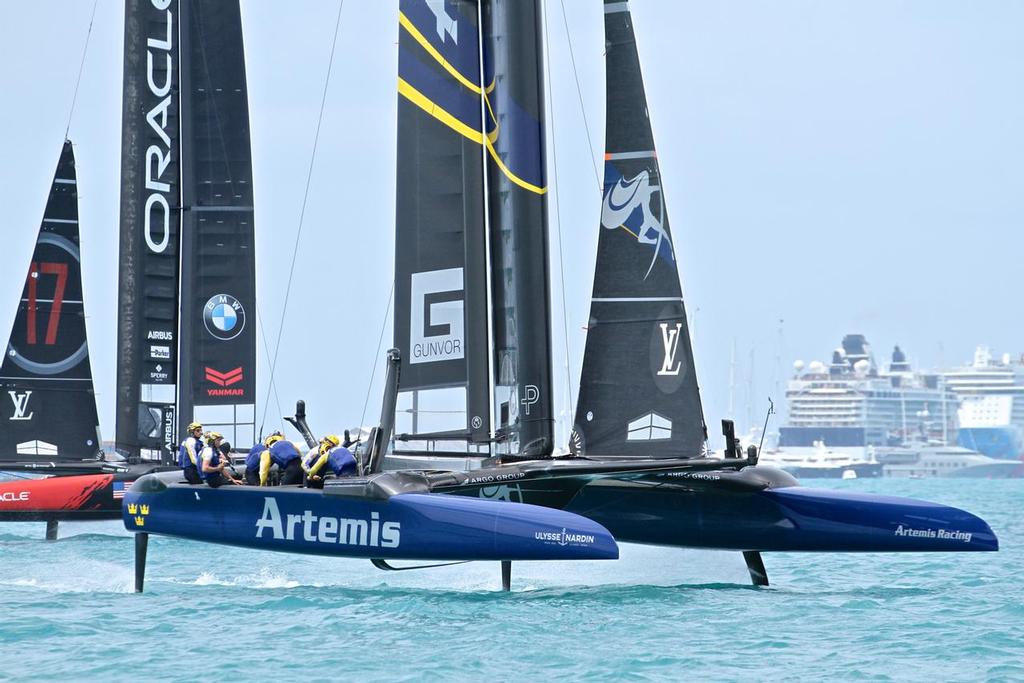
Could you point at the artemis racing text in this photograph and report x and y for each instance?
(964, 536)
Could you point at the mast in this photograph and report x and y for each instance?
(149, 232)
(517, 221)
(217, 341)
(440, 250)
(638, 389)
(46, 384)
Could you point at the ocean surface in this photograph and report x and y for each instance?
(216, 613)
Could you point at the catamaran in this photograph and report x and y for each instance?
(472, 314)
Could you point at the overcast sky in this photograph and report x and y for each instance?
(842, 167)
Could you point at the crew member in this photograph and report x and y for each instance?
(215, 464)
(252, 461)
(332, 454)
(288, 459)
(188, 453)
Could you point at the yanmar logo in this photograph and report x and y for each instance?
(224, 379)
(563, 538)
(316, 529)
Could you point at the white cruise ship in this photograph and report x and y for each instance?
(991, 413)
(839, 413)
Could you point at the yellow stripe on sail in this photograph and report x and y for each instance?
(512, 176)
(447, 66)
(432, 51)
(426, 104)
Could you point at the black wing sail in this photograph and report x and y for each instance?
(638, 389)
(440, 249)
(49, 408)
(147, 301)
(517, 212)
(217, 377)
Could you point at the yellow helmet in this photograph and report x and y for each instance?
(328, 442)
(272, 439)
(210, 437)
(193, 426)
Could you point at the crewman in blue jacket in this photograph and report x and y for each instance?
(288, 459)
(329, 454)
(215, 465)
(188, 453)
(252, 461)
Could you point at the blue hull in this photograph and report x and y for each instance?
(412, 526)
(791, 518)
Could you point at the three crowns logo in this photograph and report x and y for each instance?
(142, 510)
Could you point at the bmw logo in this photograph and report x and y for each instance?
(224, 316)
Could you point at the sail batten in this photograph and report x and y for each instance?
(638, 389)
(46, 389)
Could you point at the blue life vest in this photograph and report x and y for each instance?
(283, 452)
(252, 461)
(197, 448)
(342, 462)
(214, 461)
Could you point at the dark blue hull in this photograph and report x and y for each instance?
(791, 518)
(406, 526)
(727, 505)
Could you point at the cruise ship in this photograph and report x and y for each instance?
(841, 412)
(991, 412)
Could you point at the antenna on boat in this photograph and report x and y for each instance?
(771, 411)
(300, 424)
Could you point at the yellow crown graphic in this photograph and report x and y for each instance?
(144, 509)
(140, 521)
(132, 507)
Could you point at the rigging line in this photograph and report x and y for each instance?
(266, 351)
(81, 66)
(579, 94)
(305, 199)
(376, 360)
(558, 222)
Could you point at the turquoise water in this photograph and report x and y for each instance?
(216, 613)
